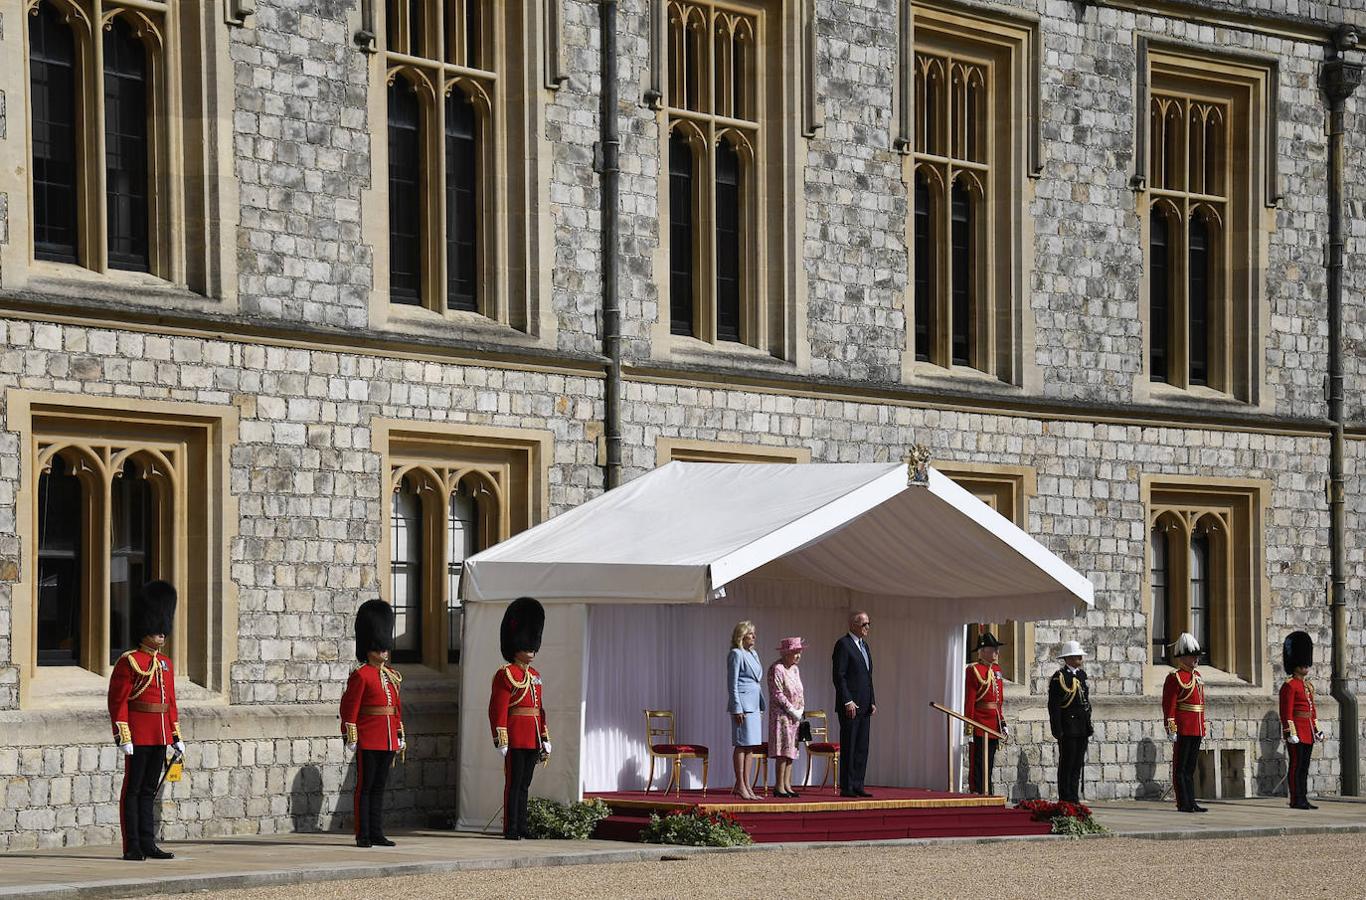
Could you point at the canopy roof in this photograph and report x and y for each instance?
(682, 532)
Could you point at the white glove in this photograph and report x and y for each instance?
(402, 744)
(1292, 738)
(504, 751)
(179, 747)
(350, 748)
(1172, 737)
(1318, 736)
(127, 749)
(801, 713)
(546, 747)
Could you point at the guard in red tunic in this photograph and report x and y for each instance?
(1299, 716)
(1183, 707)
(984, 702)
(372, 719)
(142, 710)
(517, 711)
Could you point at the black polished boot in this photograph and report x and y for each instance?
(382, 841)
(155, 852)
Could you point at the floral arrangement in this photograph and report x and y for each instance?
(575, 822)
(696, 827)
(1073, 819)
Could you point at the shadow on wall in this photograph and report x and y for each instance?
(1269, 779)
(306, 799)
(1149, 787)
(1023, 789)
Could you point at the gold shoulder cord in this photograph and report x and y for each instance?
(1071, 691)
(148, 675)
(520, 687)
(987, 683)
(393, 674)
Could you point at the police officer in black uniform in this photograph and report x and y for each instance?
(1069, 715)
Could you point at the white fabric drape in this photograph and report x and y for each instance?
(674, 657)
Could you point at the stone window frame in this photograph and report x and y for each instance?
(1007, 489)
(192, 249)
(509, 99)
(773, 306)
(190, 441)
(1245, 87)
(508, 468)
(1006, 47)
(671, 449)
(1238, 510)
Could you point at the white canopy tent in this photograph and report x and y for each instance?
(643, 585)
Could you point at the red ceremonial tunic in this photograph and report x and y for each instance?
(1183, 704)
(516, 711)
(142, 706)
(1298, 712)
(984, 697)
(371, 712)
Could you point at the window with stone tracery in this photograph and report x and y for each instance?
(450, 496)
(118, 501)
(716, 159)
(1202, 574)
(1203, 175)
(963, 174)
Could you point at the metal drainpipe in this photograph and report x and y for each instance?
(1339, 80)
(608, 165)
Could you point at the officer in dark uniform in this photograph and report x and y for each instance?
(1069, 716)
(517, 711)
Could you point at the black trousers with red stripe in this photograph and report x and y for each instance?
(141, 777)
(975, 784)
(372, 775)
(1184, 760)
(518, 768)
(1297, 778)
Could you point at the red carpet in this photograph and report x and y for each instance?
(820, 815)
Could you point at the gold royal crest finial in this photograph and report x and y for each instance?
(918, 466)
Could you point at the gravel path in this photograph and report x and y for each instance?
(1300, 867)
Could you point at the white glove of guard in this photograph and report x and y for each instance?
(179, 747)
(1318, 736)
(402, 744)
(1292, 738)
(504, 751)
(127, 749)
(546, 747)
(350, 748)
(1172, 737)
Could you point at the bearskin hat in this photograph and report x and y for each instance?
(523, 622)
(154, 611)
(1298, 651)
(986, 639)
(374, 628)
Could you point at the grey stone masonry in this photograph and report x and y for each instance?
(306, 377)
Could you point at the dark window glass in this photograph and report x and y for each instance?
(681, 237)
(405, 573)
(740, 80)
(59, 567)
(1199, 302)
(130, 553)
(391, 12)
(962, 276)
(1199, 592)
(473, 57)
(1159, 299)
(924, 268)
(417, 24)
(462, 241)
(1159, 581)
(52, 86)
(727, 242)
(691, 82)
(126, 146)
(463, 541)
(405, 201)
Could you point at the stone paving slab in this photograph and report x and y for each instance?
(237, 862)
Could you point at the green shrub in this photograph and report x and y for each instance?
(575, 822)
(696, 828)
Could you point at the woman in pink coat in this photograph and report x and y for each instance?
(786, 707)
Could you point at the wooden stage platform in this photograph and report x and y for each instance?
(821, 815)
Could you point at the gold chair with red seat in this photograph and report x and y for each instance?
(671, 750)
(821, 745)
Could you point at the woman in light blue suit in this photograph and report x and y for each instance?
(745, 684)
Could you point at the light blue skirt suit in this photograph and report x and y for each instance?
(745, 683)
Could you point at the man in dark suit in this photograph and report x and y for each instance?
(852, 670)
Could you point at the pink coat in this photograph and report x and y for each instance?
(786, 702)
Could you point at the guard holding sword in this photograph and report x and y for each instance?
(142, 711)
(517, 711)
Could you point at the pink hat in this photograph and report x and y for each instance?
(790, 645)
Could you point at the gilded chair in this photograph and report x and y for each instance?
(659, 723)
(821, 745)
